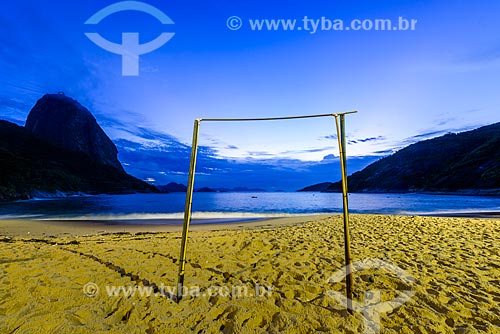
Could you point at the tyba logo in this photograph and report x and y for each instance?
(130, 49)
(372, 306)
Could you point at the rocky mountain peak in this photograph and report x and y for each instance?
(66, 123)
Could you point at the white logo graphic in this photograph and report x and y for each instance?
(90, 289)
(130, 49)
(372, 307)
(234, 22)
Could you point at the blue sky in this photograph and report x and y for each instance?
(407, 85)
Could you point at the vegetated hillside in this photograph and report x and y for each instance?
(317, 187)
(29, 164)
(464, 162)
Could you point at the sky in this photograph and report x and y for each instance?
(407, 85)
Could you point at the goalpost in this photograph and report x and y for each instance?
(340, 127)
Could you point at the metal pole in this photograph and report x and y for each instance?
(347, 238)
(187, 210)
(274, 118)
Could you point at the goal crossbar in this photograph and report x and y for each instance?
(272, 118)
(340, 129)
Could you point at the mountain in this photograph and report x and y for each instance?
(66, 123)
(468, 162)
(317, 187)
(205, 190)
(36, 162)
(173, 187)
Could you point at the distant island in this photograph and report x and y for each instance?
(61, 150)
(465, 163)
(240, 190)
(205, 190)
(173, 187)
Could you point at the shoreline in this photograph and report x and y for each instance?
(479, 192)
(471, 214)
(58, 228)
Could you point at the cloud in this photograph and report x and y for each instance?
(437, 133)
(310, 150)
(384, 152)
(365, 140)
(425, 136)
(171, 164)
(330, 137)
(148, 153)
(329, 157)
(428, 134)
(260, 154)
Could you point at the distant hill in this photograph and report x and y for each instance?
(317, 187)
(36, 162)
(468, 162)
(205, 190)
(173, 187)
(240, 190)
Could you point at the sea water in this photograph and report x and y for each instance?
(239, 206)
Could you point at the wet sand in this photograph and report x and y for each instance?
(52, 228)
(272, 276)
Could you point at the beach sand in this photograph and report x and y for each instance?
(275, 276)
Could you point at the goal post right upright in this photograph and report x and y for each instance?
(340, 118)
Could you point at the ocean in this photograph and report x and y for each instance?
(229, 207)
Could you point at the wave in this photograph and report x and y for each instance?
(9, 217)
(451, 212)
(177, 216)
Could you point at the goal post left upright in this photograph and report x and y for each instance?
(188, 209)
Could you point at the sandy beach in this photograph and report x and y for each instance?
(274, 276)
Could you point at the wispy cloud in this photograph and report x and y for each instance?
(329, 137)
(329, 157)
(427, 135)
(260, 154)
(310, 150)
(365, 140)
(384, 152)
